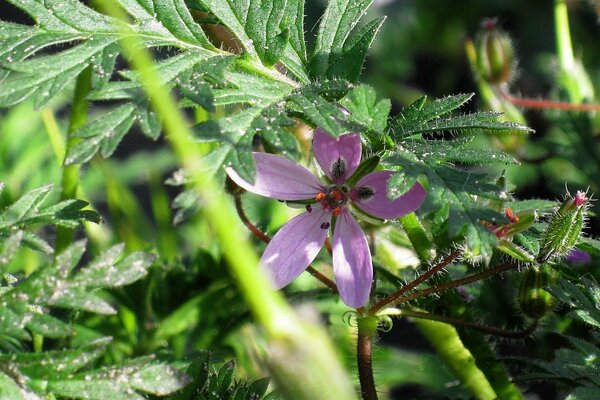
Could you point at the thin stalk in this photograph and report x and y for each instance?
(302, 358)
(452, 284)
(394, 297)
(547, 104)
(367, 326)
(265, 238)
(70, 174)
(492, 330)
(54, 134)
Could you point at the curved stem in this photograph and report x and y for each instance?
(546, 104)
(265, 238)
(364, 357)
(471, 325)
(392, 298)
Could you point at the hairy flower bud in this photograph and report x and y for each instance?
(534, 300)
(564, 228)
(495, 61)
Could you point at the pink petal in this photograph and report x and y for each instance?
(338, 157)
(279, 178)
(352, 264)
(295, 246)
(378, 204)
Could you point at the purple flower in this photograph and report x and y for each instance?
(299, 241)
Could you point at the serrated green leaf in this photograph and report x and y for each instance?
(125, 382)
(451, 197)
(268, 30)
(456, 151)
(10, 390)
(589, 245)
(8, 249)
(105, 272)
(335, 44)
(424, 116)
(56, 364)
(363, 106)
(348, 64)
(45, 76)
(48, 326)
(26, 206)
(101, 135)
(236, 132)
(321, 113)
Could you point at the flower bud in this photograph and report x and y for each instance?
(564, 228)
(534, 300)
(495, 62)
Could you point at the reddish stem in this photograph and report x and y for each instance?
(265, 238)
(364, 353)
(546, 104)
(420, 279)
(454, 284)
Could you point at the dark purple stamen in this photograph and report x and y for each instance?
(365, 192)
(338, 169)
(325, 225)
(309, 208)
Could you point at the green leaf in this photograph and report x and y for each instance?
(123, 382)
(456, 151)
(236, 132)
(338, 52)
(589, 245)
(268, 30)
(46, 76)
(101, 135)
(424, 116)
(583, 298)
(28, 210)
(363, 106)
(59, 286)
(455, 196)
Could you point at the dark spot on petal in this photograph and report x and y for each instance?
(365, 193)
(345, 189)
(325, 225)
(338, 169)
(309, 208)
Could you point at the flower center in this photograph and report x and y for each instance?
(332, 199)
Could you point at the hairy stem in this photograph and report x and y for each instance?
(547, 104)
(394, 297)
(453, 284)
(265, 238)
(364, 357)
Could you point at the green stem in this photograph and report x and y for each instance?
(418, 237)
(446, 341)
(563, 35)
(70, 174)
(303, 360)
